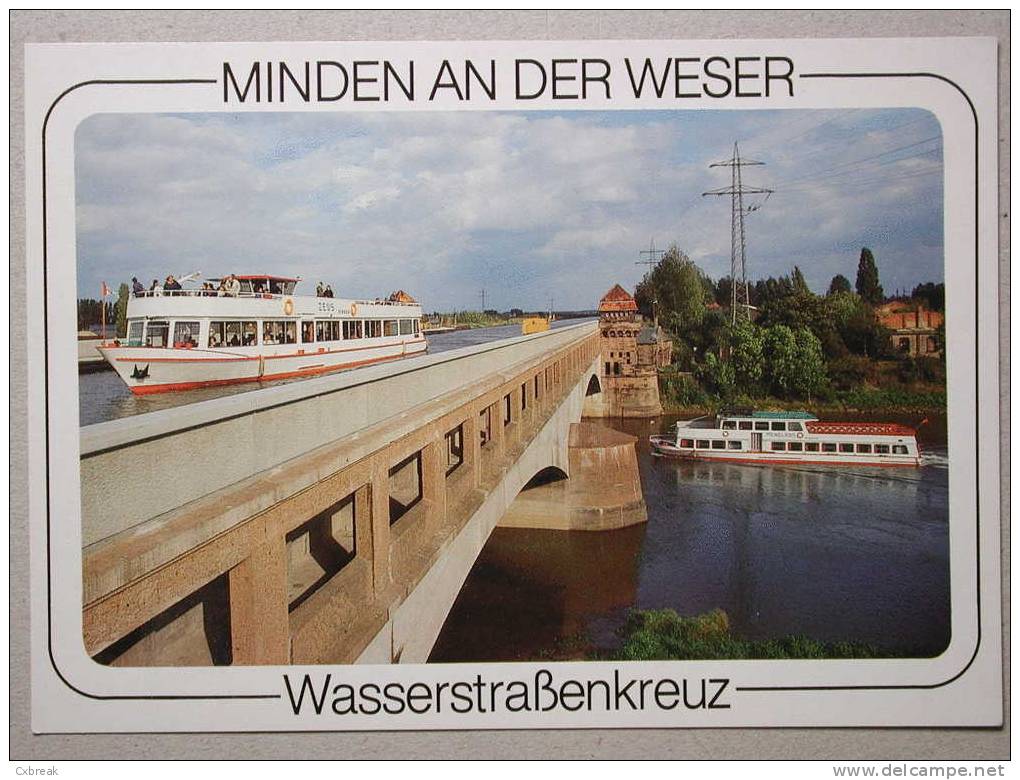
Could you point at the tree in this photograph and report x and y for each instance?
(747, 356)
(864, 335)
(839, 284)
(810, 376)
(780, 350)
(931, 294)
(717, 376)
(799, 284)
(678, 286)
(123, 293)
(724, 291)
(868, 286)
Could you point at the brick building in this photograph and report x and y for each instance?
(914, 328)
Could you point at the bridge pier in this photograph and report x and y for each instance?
(353, 550)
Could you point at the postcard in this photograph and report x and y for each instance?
(518, 384)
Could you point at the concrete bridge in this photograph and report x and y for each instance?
(331, 520)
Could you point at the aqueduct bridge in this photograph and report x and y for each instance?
(330, 520)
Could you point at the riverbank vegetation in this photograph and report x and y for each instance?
(817, 351)
(471, 319)
(662, 634)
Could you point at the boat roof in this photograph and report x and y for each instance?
(779, 415)
(251, 277)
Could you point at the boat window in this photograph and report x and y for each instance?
(288, 288)
(882, 449)
(811, 446)
(761, 426)
(279, 332)
(250, 333)
(406, 328)
(899, 449)
(352, 329)
(307, 331)
(417, 327)
(828, 447)
(729, 425)
(734, 445)
(864, 448)
(746, 425)
(794, 426)
(845, 447)
(373, 329)
(233, 334)
(135, 333)
(246, 286)
(718, 444)
(689, 443)
(327, 330)
(704, 444)
(185, 334)
(778, 426)
(779, 446)
(390, 328)
(156, 332)
(796, 446)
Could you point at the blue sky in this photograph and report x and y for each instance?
(528, 205)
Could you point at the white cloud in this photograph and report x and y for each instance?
(442, 203)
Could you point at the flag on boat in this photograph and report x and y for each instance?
(104, 291)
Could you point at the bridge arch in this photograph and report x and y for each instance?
(546, 476)
(594, 386)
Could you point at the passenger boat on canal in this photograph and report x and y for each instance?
(749, 436)
(256, 329)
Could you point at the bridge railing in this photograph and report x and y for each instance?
(348, 488)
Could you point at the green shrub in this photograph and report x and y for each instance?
(662, 634)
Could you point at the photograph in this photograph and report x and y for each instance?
(512, 386)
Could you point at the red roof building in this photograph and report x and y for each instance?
(617, 304)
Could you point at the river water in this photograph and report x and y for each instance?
(103, 396)
(826, 552)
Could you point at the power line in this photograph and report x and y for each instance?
(868, 159)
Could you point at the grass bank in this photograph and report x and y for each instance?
(662, 634)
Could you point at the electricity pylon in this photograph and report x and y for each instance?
(654, 256)
(740, 295)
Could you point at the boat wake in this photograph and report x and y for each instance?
(935, 460)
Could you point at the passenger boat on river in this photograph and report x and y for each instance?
(256, 330)
(748, 436)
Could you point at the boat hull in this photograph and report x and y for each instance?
(663, 447)
(148, 370)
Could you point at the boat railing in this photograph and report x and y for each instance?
(252, 295)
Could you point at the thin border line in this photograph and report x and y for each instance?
(977, 422)
(46, 397)
(130, 82)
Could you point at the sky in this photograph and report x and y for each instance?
(529, 206)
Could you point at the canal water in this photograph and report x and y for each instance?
(826, 552)
(103, 396)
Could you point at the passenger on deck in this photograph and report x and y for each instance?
(233, 286)
(328, 292)
(319, 289)
(137, 288)
(171, 284)
(156, 288)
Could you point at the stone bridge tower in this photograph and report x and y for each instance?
(632, 353)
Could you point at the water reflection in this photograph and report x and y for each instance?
(554, 579)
